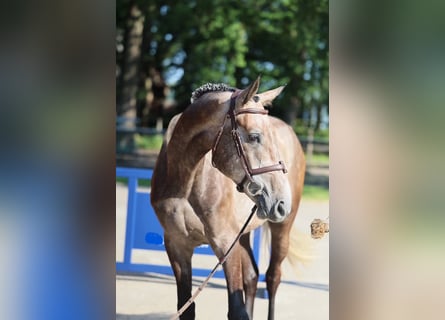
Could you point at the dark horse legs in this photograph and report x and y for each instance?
(250, 273)
(234, 277)
(279, 250)
(180, 257)
(241, 274)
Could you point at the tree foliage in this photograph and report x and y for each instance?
(188, 43)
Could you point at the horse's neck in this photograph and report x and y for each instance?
(193, 136)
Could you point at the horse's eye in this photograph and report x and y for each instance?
(254, 138)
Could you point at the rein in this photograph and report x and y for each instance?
(250, 172)
(220, 263)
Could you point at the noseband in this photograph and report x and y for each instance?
(250, 172)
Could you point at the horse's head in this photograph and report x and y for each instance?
(246, 150)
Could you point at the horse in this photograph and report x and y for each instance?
(219, 157)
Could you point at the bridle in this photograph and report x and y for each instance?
(250, 172)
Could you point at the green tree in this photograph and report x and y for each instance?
(233, 41)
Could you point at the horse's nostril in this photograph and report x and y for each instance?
(279, 212)
(280, 209)
(254, 187)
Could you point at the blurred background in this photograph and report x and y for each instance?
(59, 83)
(387, 68)
(167, 49)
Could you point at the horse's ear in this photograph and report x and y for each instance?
(267, 97)
(247, 94)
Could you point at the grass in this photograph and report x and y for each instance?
(302, 130)
(150, 142)
(141, 182)
(319, 158)
(315, 193)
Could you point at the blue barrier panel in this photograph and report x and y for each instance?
(143, 230)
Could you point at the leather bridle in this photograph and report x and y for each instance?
(250, 172)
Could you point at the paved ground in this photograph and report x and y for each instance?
(301, 296)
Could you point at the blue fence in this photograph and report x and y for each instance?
(143, 230)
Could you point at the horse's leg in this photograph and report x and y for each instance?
(180, 256)
(250, 273)
(234, 277)
(279, 250)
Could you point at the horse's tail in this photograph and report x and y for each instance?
(301, 248)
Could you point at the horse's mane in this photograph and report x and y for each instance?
(210, 87)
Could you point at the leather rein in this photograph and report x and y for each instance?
(250, 172)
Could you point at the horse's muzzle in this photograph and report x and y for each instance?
(275, 212)
(278, 212)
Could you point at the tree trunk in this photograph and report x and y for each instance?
(126, 105)
(318, 119)
(290, 113)
(145, 92)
